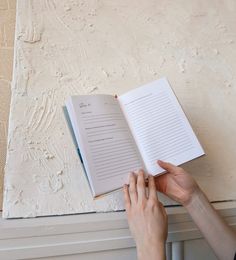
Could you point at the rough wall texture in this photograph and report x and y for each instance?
(7, 30)
(71, 47)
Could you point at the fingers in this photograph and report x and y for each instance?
(153, 197)
(152, 193)
(167, 166)
(161, 182)
(126, 197)
(160, 205)
(141, 189)
(136, 192)
(132, 188)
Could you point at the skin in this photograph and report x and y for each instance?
(148, 221)
(176, 183)
(146, 216)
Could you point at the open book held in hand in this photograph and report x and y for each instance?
(115, 136)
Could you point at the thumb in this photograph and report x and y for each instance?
(167, 166)
(161, 183)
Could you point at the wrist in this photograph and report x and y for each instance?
(192, 197)
(151, 251)
(196, 197)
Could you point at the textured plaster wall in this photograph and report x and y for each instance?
(72, 47)
(7, 31)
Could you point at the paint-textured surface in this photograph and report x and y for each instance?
(7, 25)
(64, 48)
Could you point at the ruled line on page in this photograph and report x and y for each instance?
(157, 137)
(151, 131)
(139, 99)
(169, 155)
(161, 142)
(109, 149)
(100, 121)
(113, 159)
(128, 163)
(100, 148)
(177, 145)
(121, 171)
(110, 132)
(143, 109)
(114, 151)
(91, 131)
(96, 115)
(157, 126)
(110, 144)
(139, 109)
(148, 97)
(146, 120)
(126, 167)
(98, 118)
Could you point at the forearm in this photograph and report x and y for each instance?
(218, 234)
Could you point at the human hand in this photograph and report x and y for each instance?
(176, 183)
(146, 217)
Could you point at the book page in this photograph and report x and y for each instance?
(105, 142)
(159, 126)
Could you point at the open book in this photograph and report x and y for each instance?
(115, 136)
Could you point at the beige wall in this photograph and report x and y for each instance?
(68, 48)
(7, 25)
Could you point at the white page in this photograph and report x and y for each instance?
(159, 125)
(106, 144)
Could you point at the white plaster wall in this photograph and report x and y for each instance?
(7, 26)
(64, 48)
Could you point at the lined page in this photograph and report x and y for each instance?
(106, 144)
(159, 125)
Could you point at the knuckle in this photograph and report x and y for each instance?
(140, 174)
(153, 202)
(140, 179)
(140, 185)
(179, 169)
(142, 204)
(132, 190)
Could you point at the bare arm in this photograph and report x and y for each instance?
(180, 186)
(218, 234)
(146, 217)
